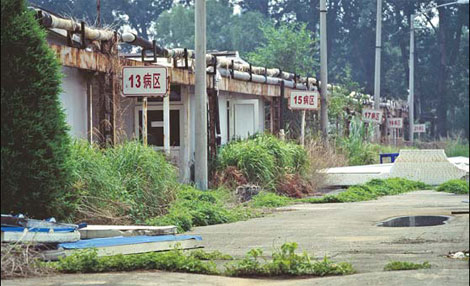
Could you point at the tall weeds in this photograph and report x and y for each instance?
(126, 183)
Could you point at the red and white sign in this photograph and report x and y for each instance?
(419, 128)
(304, 100)
(372, 115)
(144, 81)
(395, 122)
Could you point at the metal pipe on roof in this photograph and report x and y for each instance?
(48, 20)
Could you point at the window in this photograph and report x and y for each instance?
(155, 127)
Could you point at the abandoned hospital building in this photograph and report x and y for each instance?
(242, 99)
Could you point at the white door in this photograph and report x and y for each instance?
(244, 119)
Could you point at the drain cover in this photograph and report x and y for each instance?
(414, 221)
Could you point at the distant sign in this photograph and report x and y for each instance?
(372, 115)
(144, 81)
(395, 122)
(304, 100)
(419, 128)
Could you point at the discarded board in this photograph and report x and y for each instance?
(101, 231)
(428, 166)
(353, 175)
(125, 245)
(27, 236)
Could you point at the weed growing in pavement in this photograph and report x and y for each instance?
(286, 262)
(174, 260)
(403, 265)
(214, 255)
(269, 200)
(454, 186)
(371, 190)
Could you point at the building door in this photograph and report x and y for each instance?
(244, 118)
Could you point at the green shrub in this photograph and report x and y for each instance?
(34, 137)
(286, 262)
(454, 186)
(403, 265)
(128, 181)
(263, 159)
(269, 200)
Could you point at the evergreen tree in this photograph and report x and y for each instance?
(35, 144)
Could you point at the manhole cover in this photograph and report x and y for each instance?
(415, 221)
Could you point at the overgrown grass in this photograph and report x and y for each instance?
(371, 190)
(285, 262)
(454, 186)
(457, 148)
(126, 183)
(193, 207)
(263, 159)
(403, 265)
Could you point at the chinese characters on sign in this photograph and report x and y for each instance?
(144, 81)
(303, 100)
(372, 115)
(395, 122)
(419, 128)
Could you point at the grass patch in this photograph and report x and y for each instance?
(286, 262)
(193, 207)
(403, 265)
(457, 186)
(371, 190)
(269, 200)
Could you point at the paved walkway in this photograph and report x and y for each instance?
(345, 232)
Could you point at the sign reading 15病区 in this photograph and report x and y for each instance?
(144, 81)
(303, 100)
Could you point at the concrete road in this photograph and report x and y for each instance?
(344, 232)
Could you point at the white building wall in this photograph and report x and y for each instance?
(74, 101)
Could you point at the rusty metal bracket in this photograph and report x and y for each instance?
(308, 85)
(154, 43)
(232, 71)
(82, 35)
(186, 64)
(251, 73)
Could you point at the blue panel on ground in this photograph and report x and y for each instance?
(35, 229)
(120, 240)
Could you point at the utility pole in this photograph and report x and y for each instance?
(378, 53)
(323, 74)
(411, 97)
(200, 167)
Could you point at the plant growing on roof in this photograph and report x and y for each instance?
(35, 143)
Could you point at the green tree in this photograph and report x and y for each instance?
(35, 144)
(225, 31)
(289, 47)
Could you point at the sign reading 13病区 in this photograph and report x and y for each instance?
(144, 81)
(303, 100)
